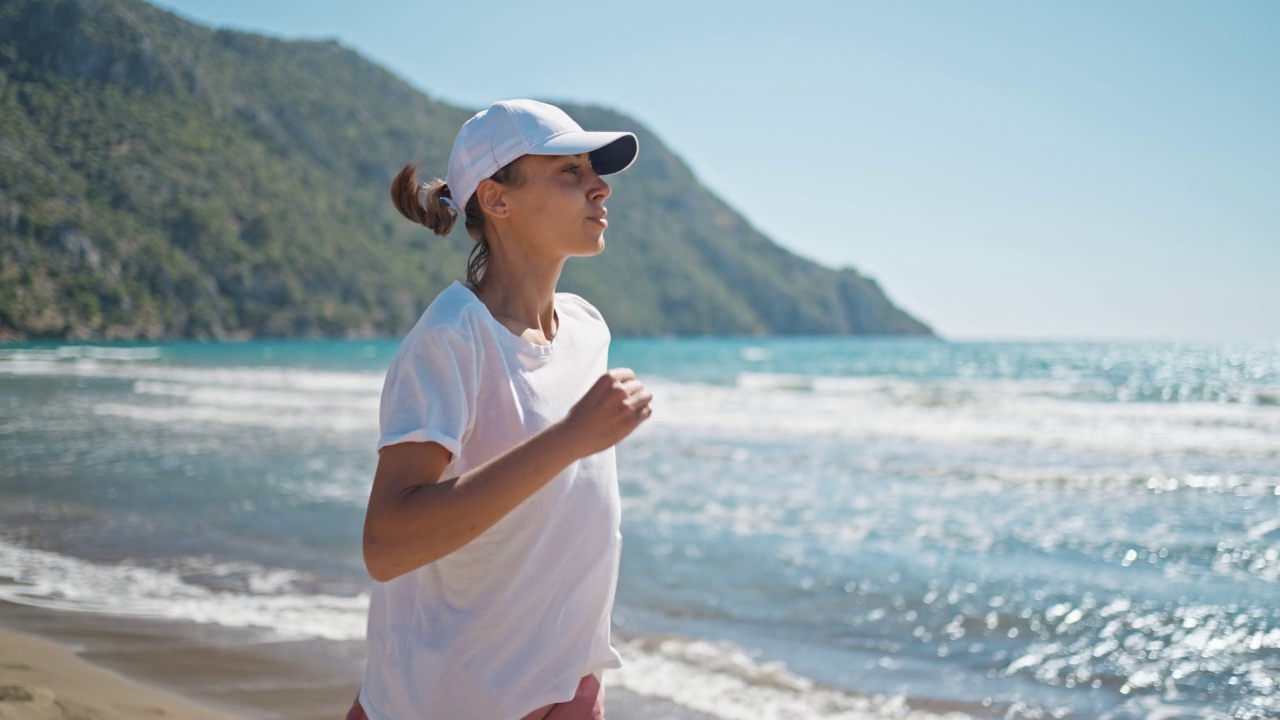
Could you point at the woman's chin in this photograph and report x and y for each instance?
(594, 246)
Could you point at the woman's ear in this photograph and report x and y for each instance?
(492, 197)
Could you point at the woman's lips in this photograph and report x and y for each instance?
(600, 218)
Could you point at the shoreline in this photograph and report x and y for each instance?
(68, 665)
(211, 672)
(57, 664)
(42, 680)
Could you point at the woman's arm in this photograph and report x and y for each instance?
(414, 518)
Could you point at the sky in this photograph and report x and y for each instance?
(1004, 170)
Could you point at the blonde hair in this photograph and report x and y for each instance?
(423, 203)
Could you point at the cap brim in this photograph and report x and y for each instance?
(611, 152)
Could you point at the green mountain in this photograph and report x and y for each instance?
(159, 178)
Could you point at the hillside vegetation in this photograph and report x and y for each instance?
(163, 179)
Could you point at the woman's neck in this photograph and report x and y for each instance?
(520, 293)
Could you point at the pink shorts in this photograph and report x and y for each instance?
(587, 704)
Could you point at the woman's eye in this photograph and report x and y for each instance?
(573, 169)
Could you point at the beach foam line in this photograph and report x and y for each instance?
(73, 352)
(1119, 479)
(717, 678)
(725, 680)
(959, 389)
(307, 416)
(257, 397)
(178, 416)
(979, 412)
(261, 377)
(58, 582)
(239, 397)
(958, 413)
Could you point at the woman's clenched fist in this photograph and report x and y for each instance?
(614, 406)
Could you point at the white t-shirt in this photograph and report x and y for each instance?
(512, 620)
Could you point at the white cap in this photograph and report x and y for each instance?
(510, 128)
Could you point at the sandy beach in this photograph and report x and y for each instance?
(40, 680)
(79, 666)
(102, 666)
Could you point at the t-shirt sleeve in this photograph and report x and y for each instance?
(430, 390)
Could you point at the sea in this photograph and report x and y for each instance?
(813, 527)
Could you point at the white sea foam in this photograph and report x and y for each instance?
(304, 416)
(266, 397)
(712, 677)
(952, 412)
(726, 681)
(74, 352)
(48, 579)
(962, 414)
(266, 378)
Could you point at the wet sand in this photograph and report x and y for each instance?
(79, 666)
(40, 680)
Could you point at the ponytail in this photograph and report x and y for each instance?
(422, 202)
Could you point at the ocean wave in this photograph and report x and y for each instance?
(303, 418)
(713, 677)
(947, 390)
(244, 377)
(956, 413)
(348, 401)
(65, 353)
(237, 396)
(269, 601)
(963, 414)
(256, 397)
(727, 681)
(1120, 479)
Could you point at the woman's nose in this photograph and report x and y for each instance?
(600, 189)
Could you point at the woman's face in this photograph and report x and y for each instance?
(558, 206)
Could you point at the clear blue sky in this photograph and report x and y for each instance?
(1003, 169)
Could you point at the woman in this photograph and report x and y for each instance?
(493, 523)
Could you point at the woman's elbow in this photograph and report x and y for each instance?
(385, 563)
(375, 560)
(390, 550)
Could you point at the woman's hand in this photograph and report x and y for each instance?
(614, 406)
